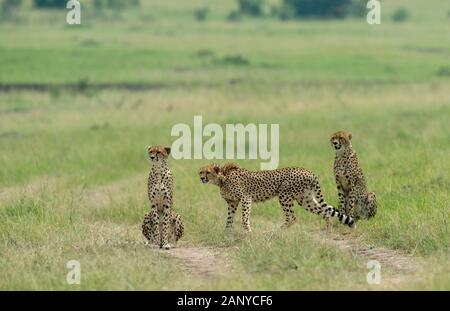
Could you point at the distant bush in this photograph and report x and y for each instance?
(201, 14)
(234, 60)
(234, 16)
(8, 7)
(444, 71)
(251, 7)
(53, 4)
(400, 15)
(321, 8)
(114, 4)
(205, 53)
(357, 8)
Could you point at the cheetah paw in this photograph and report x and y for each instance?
(167, 246)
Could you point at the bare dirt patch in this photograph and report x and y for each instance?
(207, 262)
(402, 267)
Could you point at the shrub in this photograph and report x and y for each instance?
(201, 13)
(358, 8)
(234, 16)
(400, 15)
(251, 7)
(54, 4)
(114, 4)
(236, 59)
(8, 7)
(444, 71)
(318, 8)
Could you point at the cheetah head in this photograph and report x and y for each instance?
(341, 140)
(210, 174)
(158, 154)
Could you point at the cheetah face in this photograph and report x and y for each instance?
(341, 140)
(209, 174)
(158, 154)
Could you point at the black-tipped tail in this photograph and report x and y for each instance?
(344, 219)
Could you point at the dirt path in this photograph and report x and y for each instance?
(204, 262)
(402, 267)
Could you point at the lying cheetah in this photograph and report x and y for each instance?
(160, 194)
(354, 200)
(238, 185)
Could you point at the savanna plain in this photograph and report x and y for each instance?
(73, 162)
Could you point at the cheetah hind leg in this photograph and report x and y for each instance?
(148, 230)
(287, 205)
(176, 228)
(371, 205)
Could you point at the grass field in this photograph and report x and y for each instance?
(73, 162)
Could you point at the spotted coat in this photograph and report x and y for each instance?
(241, 186)
(354, 199)
(161, 223)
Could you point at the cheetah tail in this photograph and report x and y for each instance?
(344, 219)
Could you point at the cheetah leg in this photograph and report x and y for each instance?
(179, 228)
(147, 228)
(351, 203)
(176, 229)
(165, 228)
(246, 208)
(311, 204)
(342, 198)
(371, 205)
(287, 205)
(232, 206)
(155, 232)
(319, 206)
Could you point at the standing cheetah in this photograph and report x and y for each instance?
(238, 185)
(160, 194)
(354, 199)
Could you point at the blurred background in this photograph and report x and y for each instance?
(208, 42)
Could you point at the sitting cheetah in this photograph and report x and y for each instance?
(160, 194)
(238, 185)
(354, 200)
(176, 228)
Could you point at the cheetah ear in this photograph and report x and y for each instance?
(167, 149)
(349, 136)
(216, 168)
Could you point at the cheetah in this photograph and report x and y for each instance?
(176, 228)
(354, 200)
(160, 194)
(238, 185)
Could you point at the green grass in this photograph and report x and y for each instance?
(73, 164)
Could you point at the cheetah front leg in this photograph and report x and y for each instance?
(165, 227)
(155, 232)
(351, 203)
(246, 208)
(232, 206)
(342, 197)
